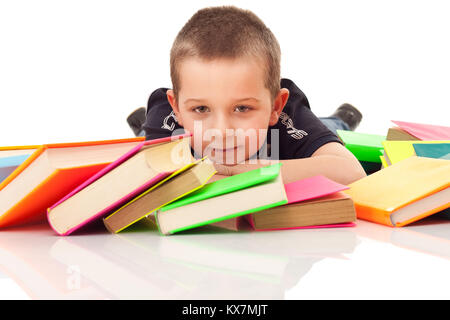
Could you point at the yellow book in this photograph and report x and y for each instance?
(383, 162)
(395, 151)
(182, 182)
(404, 192)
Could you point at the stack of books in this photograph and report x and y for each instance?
(121, 182)
(414, 180)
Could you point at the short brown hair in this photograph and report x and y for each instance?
(227, 32)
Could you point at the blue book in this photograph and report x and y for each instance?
(9, 164)
(433, 150)
(438, 151)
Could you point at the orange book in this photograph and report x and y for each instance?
(17, 150)
(404, 192)
(52, 171)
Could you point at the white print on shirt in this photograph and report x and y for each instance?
(293, 132)
(166, 121)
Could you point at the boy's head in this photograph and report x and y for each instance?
(225, 70)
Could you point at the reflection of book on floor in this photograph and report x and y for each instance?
(28, 263)
(242, 262)
(428, 236)
(185, 280)
(321, 243)
(431, 236)
(49, 173)
(107, 272)
(403, 193)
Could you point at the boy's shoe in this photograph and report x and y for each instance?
(136, 120)
(349, 114)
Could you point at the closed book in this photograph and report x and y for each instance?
(404, 192)
(364, 146)
(175, 186)
(50, 172)
(227, 198)
(398, 134)
(327, 211)
(314, 201)
(135, 171)
(11, 151)
(424, 132)
(395, 151)
(433, 150)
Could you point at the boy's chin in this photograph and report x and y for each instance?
(227, 158)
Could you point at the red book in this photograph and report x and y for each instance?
(425, 132)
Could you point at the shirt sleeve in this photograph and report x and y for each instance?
(160, 120)
(301, 132)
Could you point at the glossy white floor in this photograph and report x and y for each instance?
(362, 262)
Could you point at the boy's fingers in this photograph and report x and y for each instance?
(223, 170)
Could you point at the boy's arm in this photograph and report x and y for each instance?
(331, 160)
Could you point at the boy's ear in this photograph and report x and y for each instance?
(173, 102)
(278, 105)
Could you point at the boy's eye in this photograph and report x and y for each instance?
(242, 108)
(201, 109)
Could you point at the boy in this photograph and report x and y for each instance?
(225, 71)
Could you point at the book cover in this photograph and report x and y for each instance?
(227, 185)
(49, 186)
(225, 196)
(364, 146)
(403, 193)
(304, 191)
(436, 150)
(425, 131)
(88, 183)
(396, 133)
(164, 192)
(395, 151)
(9, 164)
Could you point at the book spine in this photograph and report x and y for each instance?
(373, 215)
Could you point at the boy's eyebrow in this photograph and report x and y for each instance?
(236, 101)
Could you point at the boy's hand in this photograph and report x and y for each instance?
(224, 169)
(230, 170)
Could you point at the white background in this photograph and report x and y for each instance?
(74, 70)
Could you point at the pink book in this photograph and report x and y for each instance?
(425, 132)
(159, 177)
(309, 189)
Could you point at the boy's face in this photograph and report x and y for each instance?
(226, 106)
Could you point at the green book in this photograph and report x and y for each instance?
(227, 198)
(364, 146)
(370, 167)
(433, 150)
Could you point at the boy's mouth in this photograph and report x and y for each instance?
(225, 150)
